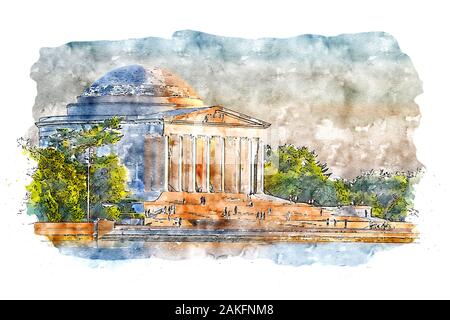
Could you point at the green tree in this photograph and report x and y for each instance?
(390, 195)
(295, 173)
(58, 191)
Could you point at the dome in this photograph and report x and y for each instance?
(140, 82)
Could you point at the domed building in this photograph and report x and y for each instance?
(171, 140)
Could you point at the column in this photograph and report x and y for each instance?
(180, 163)
(166, 163)
(244, 166)
(255, 166)
(194, 161)
(187, 161)
(216, 162)
(208, 162)
(231, 164)
(201, 163)
(261, 167)
(175, 161)
(250, 163)
(238, 165)
(222, 164)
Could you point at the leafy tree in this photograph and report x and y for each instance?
(58, 191)
(390, 195)
(295, 173)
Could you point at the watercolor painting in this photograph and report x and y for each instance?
(297, 149)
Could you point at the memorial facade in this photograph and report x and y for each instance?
(171, 140)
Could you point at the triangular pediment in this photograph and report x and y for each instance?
(218, 115)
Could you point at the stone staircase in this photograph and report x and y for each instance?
(243, 212)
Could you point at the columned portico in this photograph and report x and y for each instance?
(199, 163)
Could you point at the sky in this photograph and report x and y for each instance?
(348, 97)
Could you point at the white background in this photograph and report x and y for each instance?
(31, 269)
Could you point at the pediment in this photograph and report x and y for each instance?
(218, 115)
